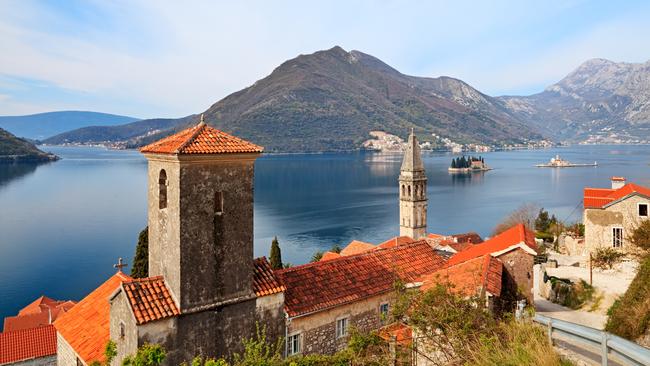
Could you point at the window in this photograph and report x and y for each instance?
(617, 237)
(218, 203)
(403, 191)
(122, 330)
(162, 189)
(643, 209)
(383, 310)
(341, 327)
(293, 344)
(409, 190)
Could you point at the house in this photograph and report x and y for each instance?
(611, 214)
(29, 347)
(42, 311)
(323, 300)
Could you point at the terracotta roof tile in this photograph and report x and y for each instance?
(264, 281)
(329, 256)
(321, 285)
(150, 299)
(27, 344)
(396, 241)
(600, 197)
(471, 237)
(41, 311)
(86, 326)
(469, 278)
(509, 239)
(402, 333)
(356, 247)
(33, 320)
(201, 139)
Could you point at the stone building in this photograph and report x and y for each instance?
(611, 214)
(206, 292)
(412, 192)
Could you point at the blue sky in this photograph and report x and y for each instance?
(172, 58)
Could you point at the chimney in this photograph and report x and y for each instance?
(618, 182)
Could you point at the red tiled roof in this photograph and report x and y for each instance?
(402, 333)
(86, 326)
(356, 247)
(469, 278)
(470, 237)
(396, 241)
(27, 344)
(201, 139)
(264, 280)
(517, 235)
(150, 299)
(41, 311)
(600, 197)
(317, 286)
(329, 256)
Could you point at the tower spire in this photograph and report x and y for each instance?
(413, 191)
(412, 160)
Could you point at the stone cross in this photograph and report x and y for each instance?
(120, 264)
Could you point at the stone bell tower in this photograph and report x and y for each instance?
(412, 192)
(201, 216)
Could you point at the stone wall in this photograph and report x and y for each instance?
(41, 361)
(270, 314)
(599, 223)
(120, 314)
(318, 330)
(65, 355)
(517, 275)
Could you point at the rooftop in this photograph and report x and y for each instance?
(86, 326)
(264, 281)
(469, 278)
(201, 139)
(603, 197)
(27, 344)
(515, 237)
(41, 311)
(317, 286)
(150, 299)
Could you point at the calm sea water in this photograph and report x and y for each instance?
(63, 224)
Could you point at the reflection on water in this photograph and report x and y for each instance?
(64, 224)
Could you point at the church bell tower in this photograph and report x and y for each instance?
(412, 192)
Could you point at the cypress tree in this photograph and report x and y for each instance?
(276, 254)
(453, 163)
(140, 267)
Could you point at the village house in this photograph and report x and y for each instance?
(206, 292)
(611, 214)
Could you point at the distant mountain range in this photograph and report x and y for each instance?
(17, 150)
(600, 102)
(331, 100)
(43, 125)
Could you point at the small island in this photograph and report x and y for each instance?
(468, 165)
(16, 150)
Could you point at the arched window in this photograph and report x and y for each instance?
(162, 189)
(218, 203)
(403, 191)
(409, 190)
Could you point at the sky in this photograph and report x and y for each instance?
(159, 58)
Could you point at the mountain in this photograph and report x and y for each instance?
(42, 125)
(331, 100)
(17, 150)
(600, 101)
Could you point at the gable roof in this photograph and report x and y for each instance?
(201, 139)
(41, 311)
(264, 281)
(86, 326)
(396, 241)
(356, 247)
(329, 256)
(26, 344)
(321, 285)
(469, 278)
(149, 299)
(603, 197)
(515, 237)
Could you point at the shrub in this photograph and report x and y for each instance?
(606, 258)
(640, 237)
(525, 214)
(573, 295)
(629, 316)
(147, 355)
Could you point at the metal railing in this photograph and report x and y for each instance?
(608, 346)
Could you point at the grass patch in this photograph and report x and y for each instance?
(629, 316)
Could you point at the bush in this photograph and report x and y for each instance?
(629, 316)
(640, 237)
(606, 258)
(572, 295)
(147, 355)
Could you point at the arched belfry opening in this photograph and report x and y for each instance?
(162, 189)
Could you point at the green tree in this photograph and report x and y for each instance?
(140, 267)
(276, 254)
(147, 355)
(640, 237)
(543, 221)
(317, 256)
(336, 249)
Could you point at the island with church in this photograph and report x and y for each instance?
(468, 165)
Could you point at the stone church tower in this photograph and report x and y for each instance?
(412, 192)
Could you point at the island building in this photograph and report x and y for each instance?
(206, 291)
(611, 214)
